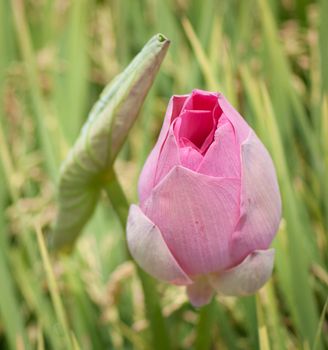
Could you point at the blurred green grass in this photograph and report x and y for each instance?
(268, 57)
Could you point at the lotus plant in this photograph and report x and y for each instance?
(209, 202)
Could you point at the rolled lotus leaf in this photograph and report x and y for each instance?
(86, 167)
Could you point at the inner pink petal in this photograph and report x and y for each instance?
(201, 100)
(190, 158)
(177, 104)
(196, 126)
(225, 149)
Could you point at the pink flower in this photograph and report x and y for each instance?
(209, 202)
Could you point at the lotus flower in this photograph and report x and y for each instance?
(209, 202)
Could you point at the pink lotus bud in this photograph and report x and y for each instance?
(209, 202)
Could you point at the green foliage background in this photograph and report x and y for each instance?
(270, 58)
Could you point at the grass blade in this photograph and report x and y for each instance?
(54, 291)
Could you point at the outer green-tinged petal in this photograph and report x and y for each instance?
(247, 277)
(101, 139)
(149, 249)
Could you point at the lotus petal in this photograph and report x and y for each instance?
(241, 128)
(260, 203)
(247, 277)
(168, 157)
(222, 159)
(147, 178)
(196, 215)
(150, 251)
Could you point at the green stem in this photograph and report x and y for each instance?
(204, 329)
(160, 338)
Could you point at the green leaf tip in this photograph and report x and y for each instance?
(85, 170)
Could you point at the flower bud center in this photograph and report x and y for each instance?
(195, 126)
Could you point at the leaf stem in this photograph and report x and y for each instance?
(160, 338)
